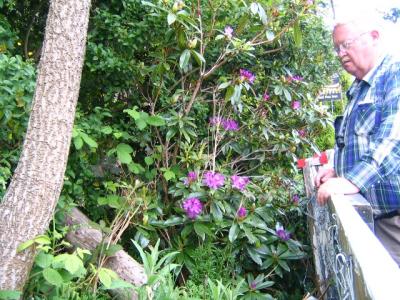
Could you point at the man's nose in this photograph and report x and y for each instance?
(342, 52)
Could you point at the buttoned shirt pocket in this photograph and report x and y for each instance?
(367, 118)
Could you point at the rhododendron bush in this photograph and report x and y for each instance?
(203, 108)
(213, 103)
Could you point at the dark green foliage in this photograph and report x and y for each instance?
(154, 76)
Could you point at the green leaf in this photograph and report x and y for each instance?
(44, 260)
(148, 160)
(10, 295)
(254, 256)
(42, 240)
(52, 277)
(267, 263)
(88, 140)
(184, 59)
(73, 264)
(254, 8)
(201, 229)
(123, 153)
(284, 265)
(287, 95)
(216, 211)
(199, 232)
(106, 130)
(198, 57)
(233, 232)
(265, 284)
(120, 284)
(141, 124)
(104, 277)
(298, 37)
(24, 245)
(78, 142)
(59, 261)
(113, 201)
(224, 85)
(168, 175)
(171, 133)
(133, 113)
(171, 18)
(262, 14)
(250, 236)
(113, 249)
(155, 121)
(135, 168)
(270, 35)
(229, 92)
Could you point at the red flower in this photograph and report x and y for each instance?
(323, 158)
(301, 163)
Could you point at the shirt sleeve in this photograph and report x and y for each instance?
(383, 158)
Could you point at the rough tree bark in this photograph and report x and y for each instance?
(87, 237)
(29, 202)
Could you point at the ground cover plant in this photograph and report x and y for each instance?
(191, 117)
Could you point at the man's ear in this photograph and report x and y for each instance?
(375, 35)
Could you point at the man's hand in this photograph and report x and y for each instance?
(338, 185)
(323, 175)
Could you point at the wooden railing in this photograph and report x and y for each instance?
(350, 262)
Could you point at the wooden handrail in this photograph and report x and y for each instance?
(350, 262)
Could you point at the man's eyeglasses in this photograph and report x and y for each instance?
(346, 45)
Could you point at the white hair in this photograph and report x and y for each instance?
(363, 20)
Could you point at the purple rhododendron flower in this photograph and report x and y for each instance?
(213, 180)
(230, 125)
(192, 207)
(239, 182)
(228, 31)
(297, 78)
(266, 96)
(247, 75)
(295, 198)
(242, 212)
(296, 105)
(302, 133)
(191, 177)
(216, 121)
(282, 233)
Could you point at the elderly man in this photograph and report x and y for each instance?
(367, 151)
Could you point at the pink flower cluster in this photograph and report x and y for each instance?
(228, 31)
(239, 182)
(246, 75)
(302, 133)
(227, 124)
(192, 207)
(213, 180)
(191, 177)
(242, 212)
(296, 105)
(282, 233)
(294, 78)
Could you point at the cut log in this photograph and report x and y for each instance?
(87, 237)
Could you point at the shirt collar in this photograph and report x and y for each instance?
(368, 77)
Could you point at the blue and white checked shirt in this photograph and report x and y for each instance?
(370, 130)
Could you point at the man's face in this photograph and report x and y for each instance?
(355, 49)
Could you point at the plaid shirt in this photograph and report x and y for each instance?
(369, 155)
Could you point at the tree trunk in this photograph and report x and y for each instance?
(29, 202)
(87, 237)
